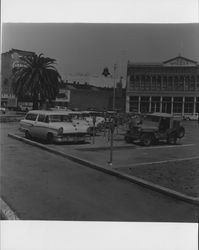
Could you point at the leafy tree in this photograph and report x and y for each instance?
(37, 77)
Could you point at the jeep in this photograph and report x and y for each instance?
(155, 127)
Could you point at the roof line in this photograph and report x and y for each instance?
(18, 50)
(160, 63)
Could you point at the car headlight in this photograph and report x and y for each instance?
(60, 131)
(99, 124)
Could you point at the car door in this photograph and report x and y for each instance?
(40, 126)
(29, 123)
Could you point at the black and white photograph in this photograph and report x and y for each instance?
(100, 126)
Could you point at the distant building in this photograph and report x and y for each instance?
(9, 60)
(171, 86)
(79, 91)
(95, 80)
(85, 96)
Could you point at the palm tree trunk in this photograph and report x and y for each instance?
(35, 101)
(35, 105)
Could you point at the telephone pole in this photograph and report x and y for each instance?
(114, 79)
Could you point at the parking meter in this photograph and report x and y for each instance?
(94, 120)
(112, 127)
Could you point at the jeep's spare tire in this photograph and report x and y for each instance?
(181, 132)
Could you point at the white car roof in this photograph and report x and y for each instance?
(50, 112)
(58, 112)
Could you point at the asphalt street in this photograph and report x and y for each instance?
(38, 185)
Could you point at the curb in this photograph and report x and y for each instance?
(133, 179)
(6, 212)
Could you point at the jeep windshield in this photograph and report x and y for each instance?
(152, 118)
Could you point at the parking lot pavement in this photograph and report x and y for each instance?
(128, 155)
(41, 186)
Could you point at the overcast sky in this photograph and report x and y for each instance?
(88, 48)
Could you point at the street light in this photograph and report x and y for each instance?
(114, 76)
(111, 124)
(111, 130)
(106, 73)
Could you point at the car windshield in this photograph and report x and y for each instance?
(59, 118)
(85, 115)
(76, 116)
(151, 118)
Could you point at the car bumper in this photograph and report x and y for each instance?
(21, 129)
(133, 136)
(69, 138)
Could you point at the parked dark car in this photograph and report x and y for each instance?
(156, 127)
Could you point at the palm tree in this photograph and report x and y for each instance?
(37, 77)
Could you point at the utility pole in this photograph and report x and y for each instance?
(111, 130)
(114, 76)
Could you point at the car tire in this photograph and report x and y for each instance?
(146, 139)
(128, 139)
(172, 139)
(155, 141)
(49, 138)
(28, 135)
(181, 132)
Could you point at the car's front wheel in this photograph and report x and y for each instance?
(128, 139)
(172, 139)
(49, 138)
(181, 132)
(146, 139)
(27, 135)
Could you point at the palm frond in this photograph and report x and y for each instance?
(38, 77)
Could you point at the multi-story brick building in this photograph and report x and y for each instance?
(8, 61)
(171, 86)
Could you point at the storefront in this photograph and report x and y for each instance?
(169, 87)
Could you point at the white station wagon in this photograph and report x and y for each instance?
(52, 126)
(86, 118)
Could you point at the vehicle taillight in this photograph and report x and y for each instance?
(60, 131)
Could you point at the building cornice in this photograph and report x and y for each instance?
(187, 63)
(17, 51)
